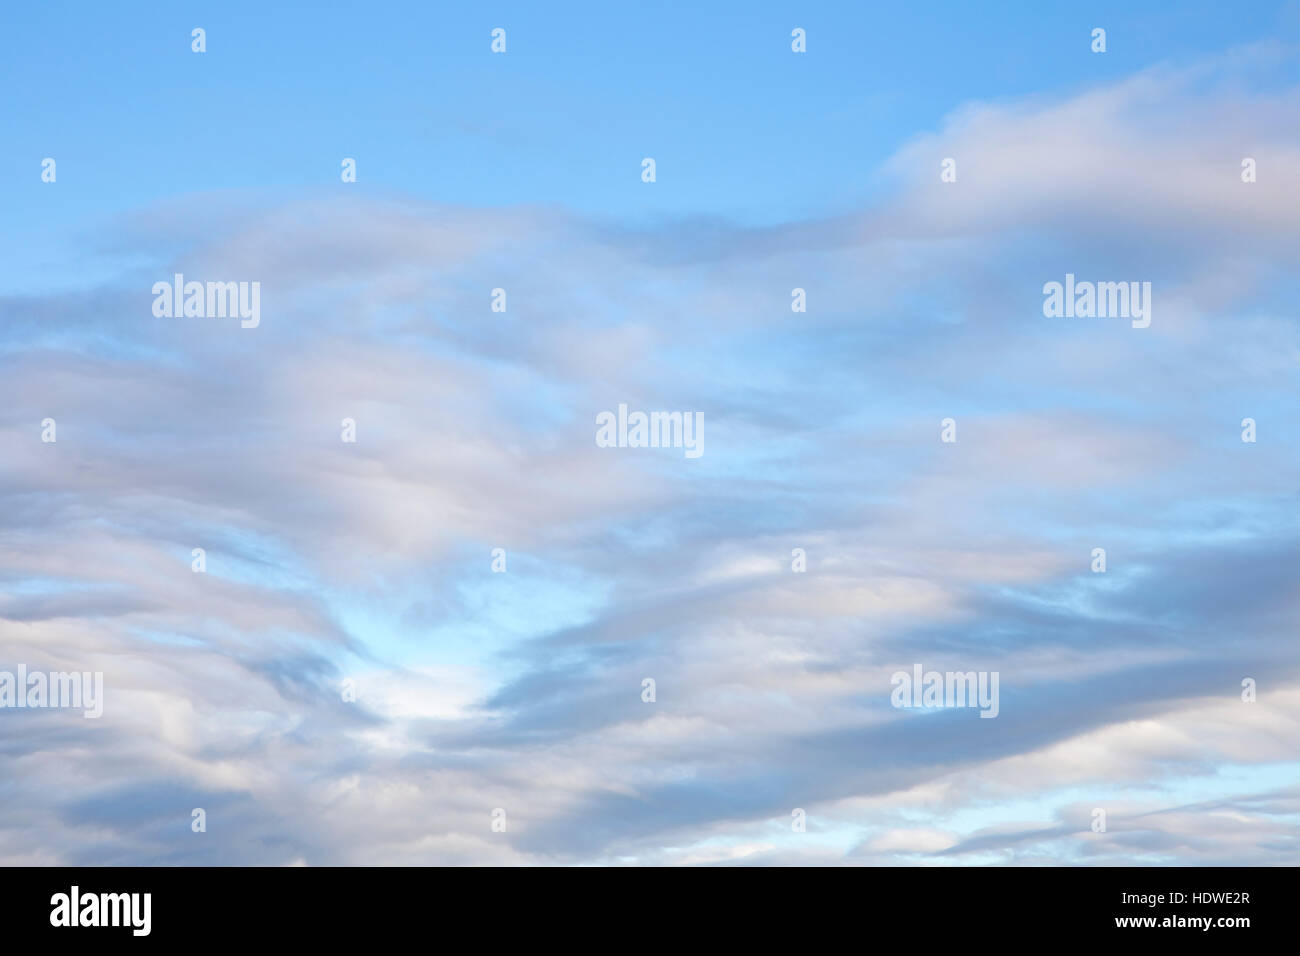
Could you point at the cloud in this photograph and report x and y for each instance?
(329, 560)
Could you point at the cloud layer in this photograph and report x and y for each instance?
(330, 561)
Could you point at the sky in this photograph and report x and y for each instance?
(350, 680)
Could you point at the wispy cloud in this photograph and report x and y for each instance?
(369, 561)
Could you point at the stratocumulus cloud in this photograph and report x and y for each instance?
(370, 561)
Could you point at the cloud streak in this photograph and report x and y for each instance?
(370, 561)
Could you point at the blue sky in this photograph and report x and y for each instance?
(370, 561)
(740, 128)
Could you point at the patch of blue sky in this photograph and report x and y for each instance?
(247, 557)
(741, 127)
(1227, 782)
(489, 615)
